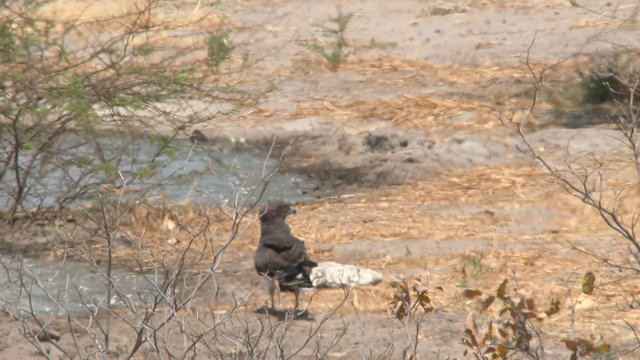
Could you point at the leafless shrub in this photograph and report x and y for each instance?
(588, 182)
(410, 306)
(175, 310)
(586, 178)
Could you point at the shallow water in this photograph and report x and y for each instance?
(56, 289)
(204, 173)
(223, 175)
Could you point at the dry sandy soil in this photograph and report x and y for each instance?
(421, 180)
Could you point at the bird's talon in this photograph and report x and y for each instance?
(299, 314)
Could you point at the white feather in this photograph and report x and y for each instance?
(330, 274)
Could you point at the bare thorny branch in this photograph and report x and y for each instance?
(169, 307)
(587, 184)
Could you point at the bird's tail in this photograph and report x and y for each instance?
(295, 278)
(330, 274)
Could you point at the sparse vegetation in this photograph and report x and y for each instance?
(588, 182)
(94, 108)
(511, 332)
(219, 47)
(410, 306)
(587, 179)
(612, 79)
(477, 267)
(514, 330)
(334, 30)
(75, 107)
(437, 8)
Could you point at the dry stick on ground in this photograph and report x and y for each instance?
(587, 184)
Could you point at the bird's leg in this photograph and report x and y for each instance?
(297, 312)
(271, 287)
(297, 294)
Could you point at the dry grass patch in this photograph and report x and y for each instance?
(147, 14)
(519, 4)
(428, 112)
(414, 211)
(149, 233)
(422, 112)
(475, 80)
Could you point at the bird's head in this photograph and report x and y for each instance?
(276, 209)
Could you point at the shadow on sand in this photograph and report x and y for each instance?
(283, 315)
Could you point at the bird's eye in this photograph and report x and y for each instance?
(284, 208)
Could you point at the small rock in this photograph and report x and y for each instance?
(383, 142)
(463, 117)
(586, 303)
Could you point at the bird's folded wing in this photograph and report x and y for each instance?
(279, 243)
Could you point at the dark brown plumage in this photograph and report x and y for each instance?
(280, 256)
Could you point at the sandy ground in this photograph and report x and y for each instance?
(420, 178)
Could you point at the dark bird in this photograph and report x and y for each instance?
(282, 257)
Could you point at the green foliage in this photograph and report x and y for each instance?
(160, 141)
(335, 52)
(219, 47)
(145, 49)
(477, 267)
(56, 102)
(612, 78)
(7, 41)
(588, 283)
